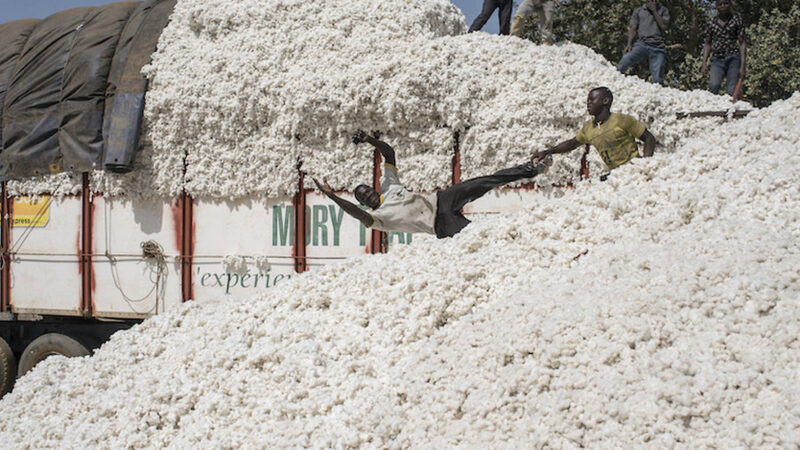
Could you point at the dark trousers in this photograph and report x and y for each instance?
(449, 219)
(489, 6)
(656, 56)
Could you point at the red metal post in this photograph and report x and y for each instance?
(585, 164)
(377, 238)
(299, 247)
(87, 211)
(6, 205)
(456, 160)
(187, 246)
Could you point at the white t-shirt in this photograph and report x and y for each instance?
(402, 210)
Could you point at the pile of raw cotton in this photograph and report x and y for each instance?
(240, 91)
(658, 309)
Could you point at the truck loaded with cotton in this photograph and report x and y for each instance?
(156, 160)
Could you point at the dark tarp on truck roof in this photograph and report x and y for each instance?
(126, 83)
(13, 35)
(61, 104)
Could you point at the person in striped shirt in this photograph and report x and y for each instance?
(726, 45)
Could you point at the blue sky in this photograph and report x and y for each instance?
(22, 9)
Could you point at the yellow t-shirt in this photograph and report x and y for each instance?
(614, 139)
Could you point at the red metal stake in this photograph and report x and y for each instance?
(585, 164)
(377, 238)
(299, 247)
(187, 246)
(6, 205)
(738, 93)
(456, 160)
(87, 211)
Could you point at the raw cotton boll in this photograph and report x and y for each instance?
(57, 185)
(234, 264)
(262, 263)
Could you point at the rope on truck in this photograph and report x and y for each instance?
(151, 250)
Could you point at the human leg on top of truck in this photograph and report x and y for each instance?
(504, 15)
(450, 220)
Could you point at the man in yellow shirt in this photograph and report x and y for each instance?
(612, 134)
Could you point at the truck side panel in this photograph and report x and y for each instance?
(129, 285)
(45, 266)
(253, 228)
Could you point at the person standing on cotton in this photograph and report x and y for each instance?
(725, 43)
(543, 10)
(397, 209)
(612, 134)
(649, 22)
(504, 14)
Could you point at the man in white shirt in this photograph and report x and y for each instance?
(397, 209)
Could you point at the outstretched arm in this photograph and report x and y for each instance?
(348, 207)
(706, 52)
(564, 147)
(631, 37)
(386, 150)
(649, 143)
(743, 56)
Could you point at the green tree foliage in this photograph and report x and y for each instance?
(774, 52)
(773, 40)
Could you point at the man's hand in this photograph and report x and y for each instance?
(538, 156)
(324, 187)
(359, 137)
(627, 50)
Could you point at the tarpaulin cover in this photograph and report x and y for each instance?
(13, 35)
(126, 83)
(57, 97)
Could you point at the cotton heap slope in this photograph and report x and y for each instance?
(240, 91)
(659, 308)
